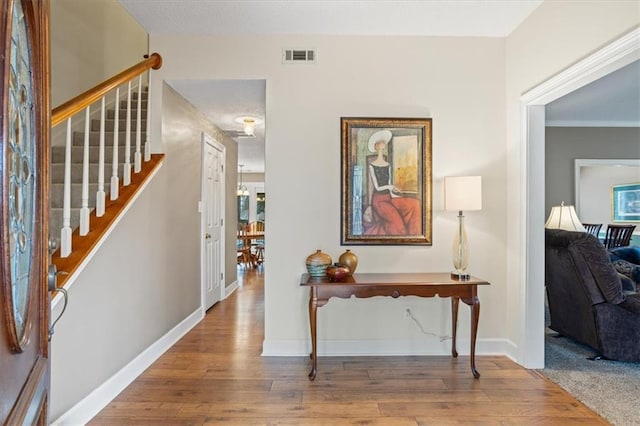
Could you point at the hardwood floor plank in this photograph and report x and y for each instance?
(242, 410)
(206, 396)
(528, 395)
(147, 420)
(501, 421)
(216, 375)
(432, 373)
(530, 383)
(472, 410)
(418, 362)
(320, 421)
(321, 395)
(388, 385)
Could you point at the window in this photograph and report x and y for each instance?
(243, 209)
(260, 200)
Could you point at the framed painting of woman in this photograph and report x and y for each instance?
(386, 181)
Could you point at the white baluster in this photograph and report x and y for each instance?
(100, 195)
(65, 232)
(84, 210)
(147, 140)
(127, 147)
(115, 182)
(137, 158)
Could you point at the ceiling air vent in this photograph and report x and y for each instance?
(294, 56)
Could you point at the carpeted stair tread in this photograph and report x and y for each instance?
(123, 111)
(55, 220)
(122, 123)
(57, 172)
(57, 194)
(94, 138)
(77, 154)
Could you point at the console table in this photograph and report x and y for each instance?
(396, 285)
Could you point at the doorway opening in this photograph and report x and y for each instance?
(612, 57)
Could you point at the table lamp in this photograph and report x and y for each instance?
(462, 193)
(564, 217)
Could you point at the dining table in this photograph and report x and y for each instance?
(247, 237)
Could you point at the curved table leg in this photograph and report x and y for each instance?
(454, 325)
(474, 305)
(313, 309)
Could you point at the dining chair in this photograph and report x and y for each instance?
(592, 228)
(618, 235)
(257, 244)
(243, 249)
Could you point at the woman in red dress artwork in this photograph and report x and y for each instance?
(393, 212)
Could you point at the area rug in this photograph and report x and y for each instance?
(610, 388)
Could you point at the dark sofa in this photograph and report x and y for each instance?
(626, 260)
(586, 298)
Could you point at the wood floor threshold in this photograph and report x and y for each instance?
(83, 245)
(568, 395)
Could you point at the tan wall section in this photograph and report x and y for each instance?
(565, 144)
(90, 42)
(182, 125)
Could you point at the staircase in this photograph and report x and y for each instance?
(77, 152)
(74, 249)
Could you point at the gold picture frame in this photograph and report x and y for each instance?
(386, 181)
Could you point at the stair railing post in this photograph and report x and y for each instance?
(147, 133)
(127, 147)
(100, 195)
(65, 232)
(84, 210)
(137, 158)
(114, 163)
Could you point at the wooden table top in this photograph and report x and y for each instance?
(381, 279)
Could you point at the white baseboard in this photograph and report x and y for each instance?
(91, 405)
(228, 291)
(386, 347)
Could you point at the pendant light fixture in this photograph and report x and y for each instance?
(242, 189)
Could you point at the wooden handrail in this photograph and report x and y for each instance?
(77, 104)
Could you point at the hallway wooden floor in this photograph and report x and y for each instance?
(215, 375)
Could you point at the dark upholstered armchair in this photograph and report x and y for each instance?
(586, 297)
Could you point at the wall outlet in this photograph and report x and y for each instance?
(407, 312)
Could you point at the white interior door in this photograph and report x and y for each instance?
(212, 221)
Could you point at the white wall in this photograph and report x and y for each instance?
(556, 35)
(459, 82)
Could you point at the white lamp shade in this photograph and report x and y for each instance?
(463, 193)
(564, 217)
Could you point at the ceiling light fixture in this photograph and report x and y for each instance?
(248, 124)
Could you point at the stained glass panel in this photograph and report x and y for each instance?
(20, 156)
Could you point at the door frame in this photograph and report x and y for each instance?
(208, 139)
(24, 356)
(530, 240)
